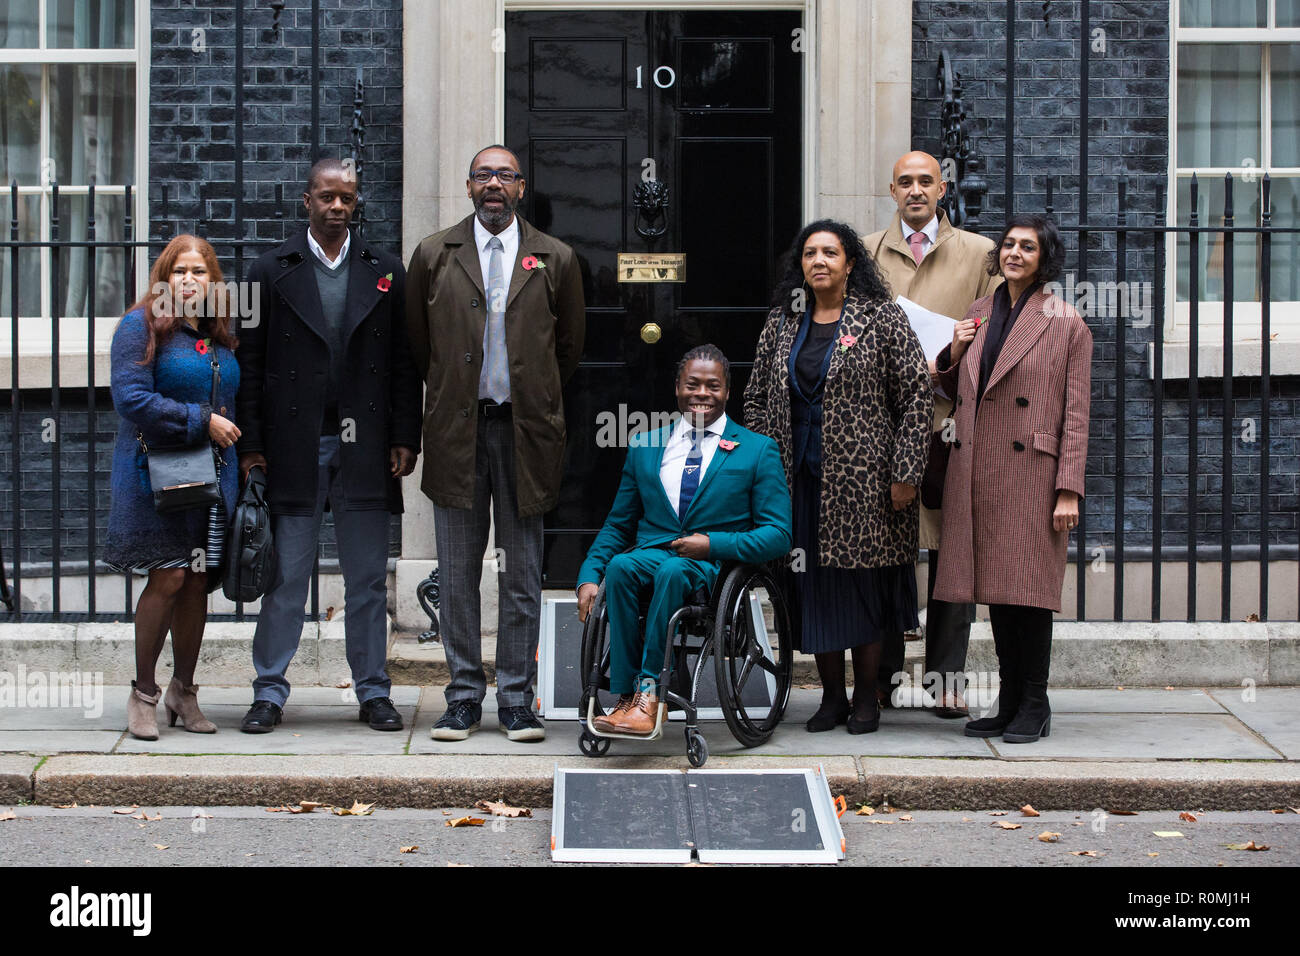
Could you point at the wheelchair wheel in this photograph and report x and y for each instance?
(697, 750)
(595, 654)
(746, 652)
(593, 746)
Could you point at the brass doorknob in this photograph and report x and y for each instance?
(651, 333)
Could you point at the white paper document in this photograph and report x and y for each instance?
(934, 330)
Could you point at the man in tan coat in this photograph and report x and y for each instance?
(923, 258)
(496, 320)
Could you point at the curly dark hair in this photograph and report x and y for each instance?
(705, 353)
(1051, 250)
(864, 281)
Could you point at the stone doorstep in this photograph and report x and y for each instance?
(459, 780)
(1089, 654)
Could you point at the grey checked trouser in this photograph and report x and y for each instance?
(461, 535)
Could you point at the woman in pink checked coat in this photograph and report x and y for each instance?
(1020, 365)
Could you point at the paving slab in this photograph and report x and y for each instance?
(1063, 785)
(390, 781)
(16, 777)
(305, 730)
(304, 696)
(111, 705)
(1179, 700)
(1273, 713)
(1142, 737)
(58, 741)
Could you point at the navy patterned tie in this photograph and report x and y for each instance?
(691, 472)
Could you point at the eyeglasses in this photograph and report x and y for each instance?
(505, 176)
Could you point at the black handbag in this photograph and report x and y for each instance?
(250, 549)
(936, 470)
(185, 476)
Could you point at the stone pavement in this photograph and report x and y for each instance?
(1136, 748)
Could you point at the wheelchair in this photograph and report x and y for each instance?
(752, 660)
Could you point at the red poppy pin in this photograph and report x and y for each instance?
(201, 346)
(532, 262)
(385, 283)
(847, 342)
(726, 445)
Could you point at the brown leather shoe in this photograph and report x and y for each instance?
(607, 724)
(951, 705)
(640, 718)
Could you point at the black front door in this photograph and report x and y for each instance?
(706, 105)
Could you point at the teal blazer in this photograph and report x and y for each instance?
(742, 503)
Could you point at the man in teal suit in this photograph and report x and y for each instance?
(694, 494)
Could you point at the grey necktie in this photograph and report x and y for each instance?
(494, 379)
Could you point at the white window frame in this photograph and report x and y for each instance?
(1284, 317)
(34, 331)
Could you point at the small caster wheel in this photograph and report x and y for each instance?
(697, 751)
(593, 746)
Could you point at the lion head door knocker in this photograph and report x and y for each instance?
(651, 201)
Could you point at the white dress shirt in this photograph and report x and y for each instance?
(930, 230)
(509, 237)
(677, 450)
(320, 254)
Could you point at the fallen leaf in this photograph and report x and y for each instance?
(144, 815)
(250, 854)
(446, 813)
(1280, 810)
(73, 806)
(906, 817)
(997, 813)
(965, 819)
(133, 807)
(8, 815)
(464, 822)
(1167, 687)
(1153, 854)
(1252, 618)
(297, 735)
(277, 810)
(1005, 824)
(1083, 853)
(161, 846)
(1252, 845)
(344, 683)
(500, 809)
(1166, 833)
(460, 864)
(1189, 817)
(883, 821)
(865, 811)
(1120, 687)
(202, 816)
(358, 809)
(1122, 813)
(329, 613)
(410, 849)
(1077, 823)
(142, 825)
(1029, 811)
(1047, 836)
(307, 806)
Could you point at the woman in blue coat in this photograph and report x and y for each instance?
(163, 354)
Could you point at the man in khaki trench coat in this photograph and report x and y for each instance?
(923, 258)
(496, 320)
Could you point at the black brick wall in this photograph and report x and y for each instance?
(1128, 141)
(192, 112)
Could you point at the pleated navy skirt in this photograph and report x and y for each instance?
(844, 607)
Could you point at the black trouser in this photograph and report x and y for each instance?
(947, 637)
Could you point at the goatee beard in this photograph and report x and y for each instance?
(497, 219)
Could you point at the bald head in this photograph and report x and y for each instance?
(917, 187)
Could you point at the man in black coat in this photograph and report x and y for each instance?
(329, 406)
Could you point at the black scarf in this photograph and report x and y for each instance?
(1004, 316)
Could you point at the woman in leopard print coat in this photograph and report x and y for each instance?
(840, 382)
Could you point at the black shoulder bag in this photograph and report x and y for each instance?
(185, 476)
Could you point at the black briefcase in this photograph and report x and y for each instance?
(250, 550)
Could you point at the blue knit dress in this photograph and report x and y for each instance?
(168, 403)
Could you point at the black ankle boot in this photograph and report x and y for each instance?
(828, 717)
(1033, 720)
(1008, 652)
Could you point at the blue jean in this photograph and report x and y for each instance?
(362, 538)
